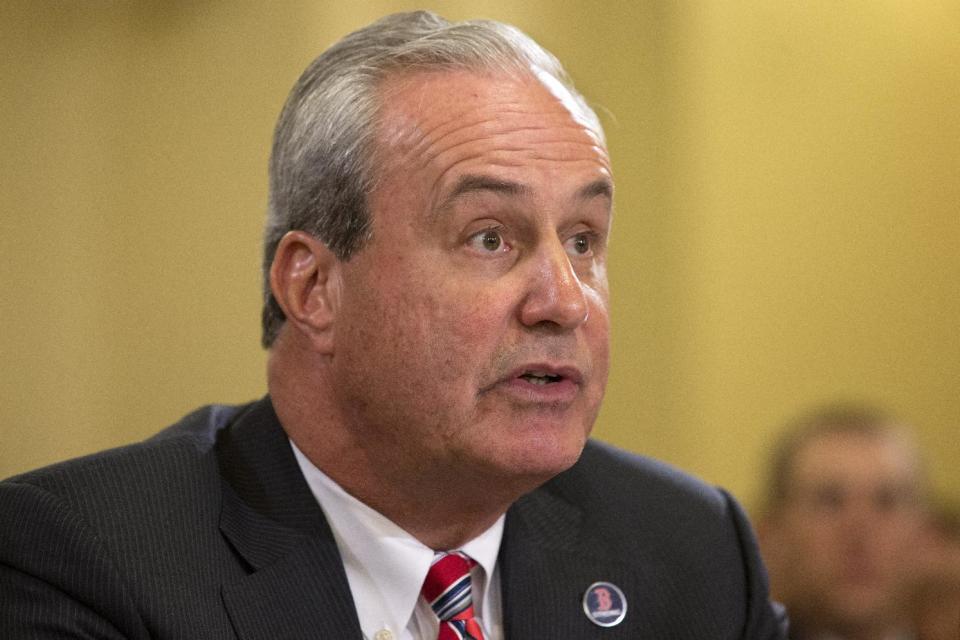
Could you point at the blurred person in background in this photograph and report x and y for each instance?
(842, 522)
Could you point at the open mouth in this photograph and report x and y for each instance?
(536, 377)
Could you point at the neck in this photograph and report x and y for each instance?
(441, 510)
(431, 520)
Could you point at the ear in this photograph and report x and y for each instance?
(305, 280)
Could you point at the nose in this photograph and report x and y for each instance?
(860, 516)
(555, 296)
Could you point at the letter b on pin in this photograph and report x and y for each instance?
(604, 604)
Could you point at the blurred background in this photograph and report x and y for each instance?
(787, 226)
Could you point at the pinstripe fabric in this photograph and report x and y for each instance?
(681, 551)
(209, 531)
(154, 541)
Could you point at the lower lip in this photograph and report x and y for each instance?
(562, 391)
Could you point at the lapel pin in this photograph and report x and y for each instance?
(604, 604)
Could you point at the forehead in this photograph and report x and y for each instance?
(854, 459)
(445, 121)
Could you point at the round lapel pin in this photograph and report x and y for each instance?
(605, 604)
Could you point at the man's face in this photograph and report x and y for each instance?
(472, 333)
(850, 523)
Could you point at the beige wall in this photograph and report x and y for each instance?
(787, 226)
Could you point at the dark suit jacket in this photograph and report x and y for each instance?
(210, 531)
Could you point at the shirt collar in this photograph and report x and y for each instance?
(385, 565)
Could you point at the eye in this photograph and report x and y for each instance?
(828, 498)
(581, 244)
(892, 499)
(489, 241)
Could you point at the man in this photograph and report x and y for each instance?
(437, 316)
(843, 519)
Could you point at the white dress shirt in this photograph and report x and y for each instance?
(386, 566)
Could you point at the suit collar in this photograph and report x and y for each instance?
(295, 586)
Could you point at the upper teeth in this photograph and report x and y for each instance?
(538, 377)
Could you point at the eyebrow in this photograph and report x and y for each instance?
(598, 188)
(473, 183)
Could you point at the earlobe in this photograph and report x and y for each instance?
(305, 281)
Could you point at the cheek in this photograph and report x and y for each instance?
(444, 329)
(599, 319)
(811, 537)
(466, 327)
(385, 326)
(598, 330)
(902, 538)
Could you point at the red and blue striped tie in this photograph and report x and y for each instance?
(447, 589)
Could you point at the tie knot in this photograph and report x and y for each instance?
(447, 587)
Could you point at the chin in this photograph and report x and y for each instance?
(534, 460)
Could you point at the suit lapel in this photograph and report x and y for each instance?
(548, 559)
(295, 586)
(540, 539)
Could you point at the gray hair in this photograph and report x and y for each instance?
(321, 164)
